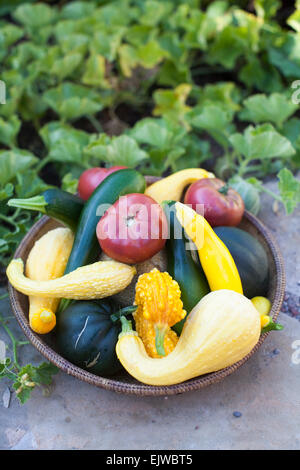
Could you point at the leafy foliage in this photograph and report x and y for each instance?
(24, 378)
(157, 85)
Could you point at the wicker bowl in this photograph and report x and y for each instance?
(124, 383)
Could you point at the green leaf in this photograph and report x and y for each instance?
(72, 101)
(275, 108)
(163, 159)
(35, 16)
(229, 45)
(74, 43)
(37, 20)
(256, 74)
(23, 54)
(6, 7)
(150, 54)
(6, 192)
(122, 150)
(155, 12)
(107, 43)
(261, 142)
(65, 66)
(266, 8)
(55, 132)
(224, 94)
(65, 144)
(9, 34)
(13, 162)
(289, 188)
(69, 183)
(196, 152)
(170, 74)
(77, 10)
(294, 20)
(291, 130)
(248, 192)
(30, 376)
(215, 120)
(128, 59)
(172, 103)
(24, 394)
(9, 129)
(152, 132)
(29, 184)
(286, 55)
(95, 71)
(139, 34)
(43, 373)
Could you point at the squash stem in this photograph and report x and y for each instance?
(271, 326)
(36, 203)
(160, 332)
(63, 304)
(123, 312)
(126, 325)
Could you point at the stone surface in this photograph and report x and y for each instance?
(257, 407)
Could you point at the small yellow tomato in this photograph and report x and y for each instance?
(262, 305)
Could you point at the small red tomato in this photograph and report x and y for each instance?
(91, 178)
(133, 229)
(222, 205)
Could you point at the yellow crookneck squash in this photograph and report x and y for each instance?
(221, 330)
(93, 281)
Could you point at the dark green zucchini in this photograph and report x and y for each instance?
(250, 258)
(60, 205)
(181, 267)
(87, 333)
(86, 247)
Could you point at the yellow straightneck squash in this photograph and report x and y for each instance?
(221, 329)
(217, 262)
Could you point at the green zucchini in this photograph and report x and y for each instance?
(190, 277)
(60, 205)
(86, 248)
(250, 258)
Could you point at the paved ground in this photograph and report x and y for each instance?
(265, 391)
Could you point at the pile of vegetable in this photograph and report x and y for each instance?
(154, 85)
(204, 312)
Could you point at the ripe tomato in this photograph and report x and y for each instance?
(222, 204)
(133, 229)
(91, 178)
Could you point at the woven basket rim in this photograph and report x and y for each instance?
(139, 388)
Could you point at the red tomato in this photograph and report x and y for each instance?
(222, 205)
(91, 178)
(133, 229)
